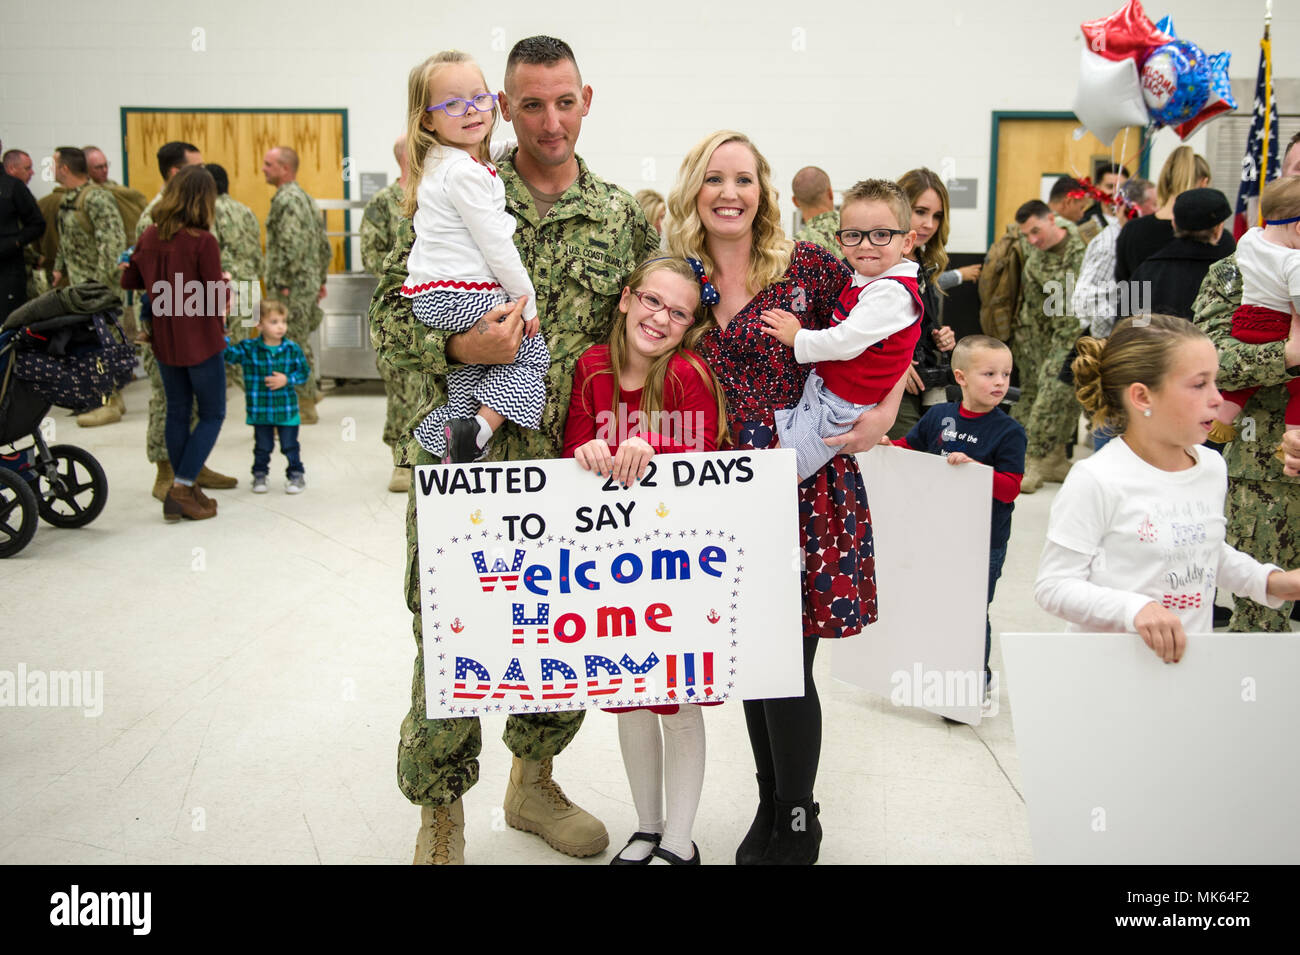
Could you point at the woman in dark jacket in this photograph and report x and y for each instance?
(178, 263)
(1168, 282)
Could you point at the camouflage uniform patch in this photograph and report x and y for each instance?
(379, 229)
(90, 254)
(1263, 506)
(578, 257)
(820, 230)
(297, 260)
(1042, 341)
(237, 232)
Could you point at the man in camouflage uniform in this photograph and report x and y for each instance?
(578, 237)
(239, 236)
(297, 259)
(1263, 505)
(172, 158)
(402, 385)
(1046, 330)
(813, 197)
(91, 240)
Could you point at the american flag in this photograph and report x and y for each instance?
(1262, 128)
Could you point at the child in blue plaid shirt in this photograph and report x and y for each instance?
(272, 365)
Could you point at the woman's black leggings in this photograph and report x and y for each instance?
(786, 735)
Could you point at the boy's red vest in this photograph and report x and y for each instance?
(867, 379)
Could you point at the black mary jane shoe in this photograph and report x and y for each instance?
(673, 859)
(651, 837)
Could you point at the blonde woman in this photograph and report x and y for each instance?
(724, 219)
(1145, 236)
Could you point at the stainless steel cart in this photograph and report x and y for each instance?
(342, 342)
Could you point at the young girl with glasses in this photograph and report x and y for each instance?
(1136, 540)
(646, 392)
(464, 262)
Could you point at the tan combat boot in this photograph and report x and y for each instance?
(535, 803)
(1056, 465)
(1033, 478)
(107, 413)
(163, 482)
(441, 840)
(218, 482)
(400, 482)
(307, 411)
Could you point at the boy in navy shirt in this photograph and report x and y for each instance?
(978, 430)
(272, 366)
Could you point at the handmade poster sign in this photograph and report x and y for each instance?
(927, 648)
(1127, 760)
(546, 587)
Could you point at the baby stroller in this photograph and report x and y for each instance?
(73, 361)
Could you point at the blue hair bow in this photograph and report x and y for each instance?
(708, 294)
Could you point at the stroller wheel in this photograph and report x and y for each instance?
(18, 507)
(72, 487)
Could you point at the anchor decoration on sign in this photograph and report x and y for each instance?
(500, 572)
(713, 616)
(683, 669)
(456, 626)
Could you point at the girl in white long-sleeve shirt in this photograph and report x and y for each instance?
(464, 262)
(1135, 541)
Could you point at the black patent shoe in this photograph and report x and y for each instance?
(673, 859)
(461, 436)
(651, 837)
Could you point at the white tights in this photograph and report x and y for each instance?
(674, 766)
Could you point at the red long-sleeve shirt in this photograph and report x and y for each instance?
(689, 421)
(187, 295)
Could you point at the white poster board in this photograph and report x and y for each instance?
(930, 523)
(1128, 760)
(546, 587)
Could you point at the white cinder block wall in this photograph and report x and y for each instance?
(862, 88)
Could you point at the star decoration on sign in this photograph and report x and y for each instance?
(440, 550)
(455, 540)
(498, 537)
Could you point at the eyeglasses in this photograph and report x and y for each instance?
(652, 301)
(852, 237)
(483, 103)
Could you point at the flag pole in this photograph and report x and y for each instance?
(1266, 45)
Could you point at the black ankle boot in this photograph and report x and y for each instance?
(796, 834)
(754, 845)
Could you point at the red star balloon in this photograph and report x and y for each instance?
(1127, 32)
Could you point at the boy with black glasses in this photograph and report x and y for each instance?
(868, 347)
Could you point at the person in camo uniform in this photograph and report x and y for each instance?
(813, 197)
(91, 239)
(297, 258)
(1263, 503)
(1046, 330)
(239, 236)
(172, 158)
(379, 226)
(579, 238)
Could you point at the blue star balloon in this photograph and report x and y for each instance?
(1176, 82)
(1220, 100)
(1166, 25)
